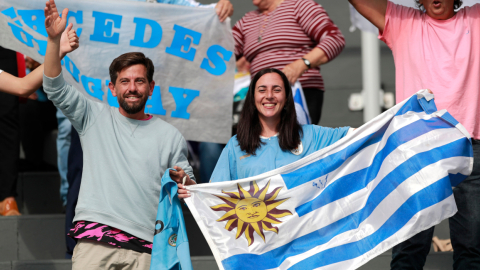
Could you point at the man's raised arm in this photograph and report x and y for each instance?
(373, 10)
(55, 27)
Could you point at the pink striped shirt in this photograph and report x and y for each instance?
(290, 32)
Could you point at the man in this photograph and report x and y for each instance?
(438, 48)
(126, 152)
(223, 9)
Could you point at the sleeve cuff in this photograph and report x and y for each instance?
(53, 83)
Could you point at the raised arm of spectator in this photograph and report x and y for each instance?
(29, 84)
(55, 25)
(373, 10)
(319, 27)
(77, 107)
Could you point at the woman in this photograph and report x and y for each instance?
(23, 87)
(296, 36)
(269, 135)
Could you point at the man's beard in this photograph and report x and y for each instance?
(133, 109)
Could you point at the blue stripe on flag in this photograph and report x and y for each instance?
(302, 244)
(334, 161)
(425, 198)
(449, 118)
(412, 105)
(428, 106)
(350, 183)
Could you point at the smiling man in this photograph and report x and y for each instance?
(438, 47)
(126, 152)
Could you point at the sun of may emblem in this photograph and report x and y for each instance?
(252, 210)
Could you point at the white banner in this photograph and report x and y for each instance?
(191, 50)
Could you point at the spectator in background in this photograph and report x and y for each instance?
(37, 121)
(10, 85)
(439, 49)
(296, 36)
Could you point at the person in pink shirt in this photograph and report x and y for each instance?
(438, 47)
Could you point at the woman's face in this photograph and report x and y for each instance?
(270, 96)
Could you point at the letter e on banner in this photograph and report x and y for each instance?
(104, 23)
(218, 61)
(181, 42)
(155, 37)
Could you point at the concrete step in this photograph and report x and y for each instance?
(32, 237)
(436, 261)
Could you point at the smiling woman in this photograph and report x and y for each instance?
(268, 137)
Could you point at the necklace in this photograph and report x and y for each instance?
(263, 27)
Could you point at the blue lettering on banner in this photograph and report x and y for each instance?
(78, 18)
(10, 12)
(28, 40)
(181, 42)
(72, 68)
(139, 38)
(218, 61)
(96, 88)
(112, 101)
(34, 19)
(42, 46)
(183, 98)
(154, 103)
(104, 24)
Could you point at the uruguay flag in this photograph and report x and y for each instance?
(343, 205)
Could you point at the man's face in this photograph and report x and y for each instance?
(132, 89)
(439, 9)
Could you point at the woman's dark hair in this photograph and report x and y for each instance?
(127, 60)
(250, 128)
(456, 4)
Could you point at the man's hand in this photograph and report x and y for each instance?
(294, 70)
(224, 9)
(69, 41)
(54, 24)
(178, 177)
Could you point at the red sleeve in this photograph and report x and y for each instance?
(21, 67)
(238, 37)
(319, 27)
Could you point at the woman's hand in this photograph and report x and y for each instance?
(294, 70)
(68, 41)
(178, 177)
(224, 9)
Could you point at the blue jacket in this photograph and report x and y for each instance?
(170, 243)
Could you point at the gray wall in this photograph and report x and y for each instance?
(343, 75)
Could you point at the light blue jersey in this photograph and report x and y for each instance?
(170, 244)
(236, 164)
